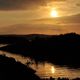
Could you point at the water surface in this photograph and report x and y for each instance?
(45, 70)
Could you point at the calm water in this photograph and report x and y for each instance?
(47, 69)
(2, 45)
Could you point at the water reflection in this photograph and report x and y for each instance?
(2, 45)
(53, 69)
(46, 70)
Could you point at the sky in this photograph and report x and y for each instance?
(15, 12)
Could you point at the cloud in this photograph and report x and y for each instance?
(78, 4)
(20, 4)
(40, 29)
(23, 4)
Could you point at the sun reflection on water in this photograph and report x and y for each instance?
(52, 69)
(46, 70)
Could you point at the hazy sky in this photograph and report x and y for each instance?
(20, 11)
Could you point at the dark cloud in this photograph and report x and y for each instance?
(78, 4)
(20, 4)
(23, 4)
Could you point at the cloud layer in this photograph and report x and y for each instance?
(23, 4)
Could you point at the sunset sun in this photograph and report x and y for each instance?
(54, 13)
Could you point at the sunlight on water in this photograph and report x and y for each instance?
(2, 45)
(48, 70)
(52, 69)
(45, 70)
(19, 58)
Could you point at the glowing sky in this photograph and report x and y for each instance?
(20, 11)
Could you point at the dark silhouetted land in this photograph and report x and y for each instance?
(12, 70)
(57, 49)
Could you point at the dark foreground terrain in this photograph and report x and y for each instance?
(57, 49)
(12, 70)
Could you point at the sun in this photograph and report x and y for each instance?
(54, 13)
